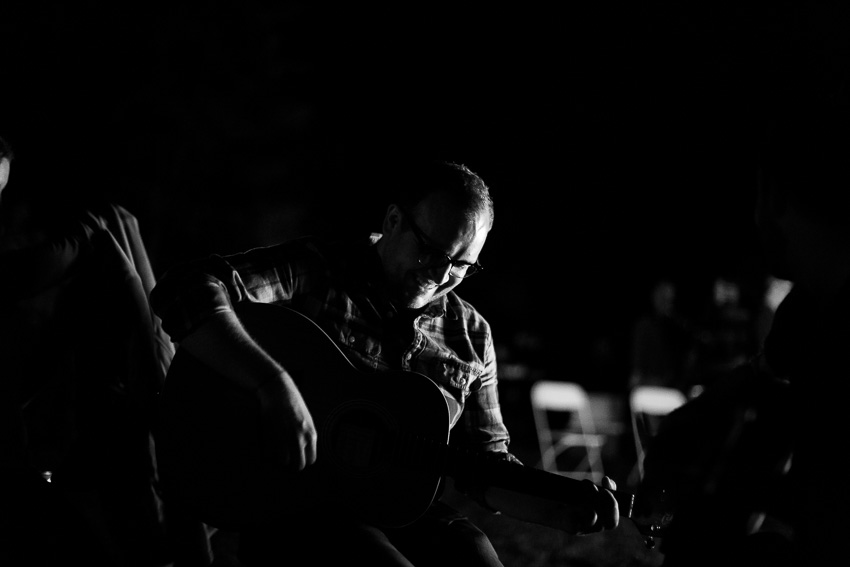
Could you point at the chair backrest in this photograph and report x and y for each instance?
(655, 400)
(558, 396)
(557, 443)
(554, 395)
(647, 406)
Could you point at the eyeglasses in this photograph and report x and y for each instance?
(432, 257)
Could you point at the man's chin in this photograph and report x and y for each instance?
(418, 295)
(417, 299)
(417, 302)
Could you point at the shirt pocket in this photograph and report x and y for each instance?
(458, 374)
(361, 348)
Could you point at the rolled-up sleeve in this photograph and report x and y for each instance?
(187, 295)
(481, 420)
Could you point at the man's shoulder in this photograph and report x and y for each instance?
(336, 251)
(334, 244)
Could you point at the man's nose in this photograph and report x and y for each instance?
(440, 274)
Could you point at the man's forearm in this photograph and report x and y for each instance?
(222, 343)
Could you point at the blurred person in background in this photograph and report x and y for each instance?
(662, 341)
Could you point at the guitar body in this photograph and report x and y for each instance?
(212, 459)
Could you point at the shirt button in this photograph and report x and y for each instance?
(351, 340)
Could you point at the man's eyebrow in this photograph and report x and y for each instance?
(443, 252)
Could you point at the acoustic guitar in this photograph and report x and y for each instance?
(383, 439)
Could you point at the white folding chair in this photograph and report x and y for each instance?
(569, 444)
(647, 406)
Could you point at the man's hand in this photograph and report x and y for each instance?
(605, 514)
(288, 429)
(621, 543)
(289, 435)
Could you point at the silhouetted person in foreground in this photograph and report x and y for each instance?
(753, 468)
(81, 362)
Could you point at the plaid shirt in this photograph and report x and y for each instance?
(340, 288)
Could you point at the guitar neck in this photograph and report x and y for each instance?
(531, 481)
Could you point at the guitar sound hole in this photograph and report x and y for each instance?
(359, 439)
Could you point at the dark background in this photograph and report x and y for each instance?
(617, 138)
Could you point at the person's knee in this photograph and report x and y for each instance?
(472, 546)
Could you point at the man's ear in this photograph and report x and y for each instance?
(392, 219)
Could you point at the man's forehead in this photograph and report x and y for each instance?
(441, 203)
